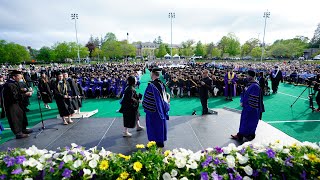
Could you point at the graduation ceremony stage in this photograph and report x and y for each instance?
(190, 132)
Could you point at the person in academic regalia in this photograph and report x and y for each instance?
(156, 106)
(276, 77)
(130, 107)
(62, 94)
(2, 82)
(44, 90)
(105, 88)
(252, 104)
(230, 82)
(12, 98)
(74, 92)
(81, 92)
(205, 87)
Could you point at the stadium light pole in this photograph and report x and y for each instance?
(74, 17)
(171, 16)
(265, 16)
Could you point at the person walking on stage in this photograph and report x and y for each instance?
(205, 87)
(252, 104)
(276, 77)
(130, 107)
(156, 106)
(13, 105)
(74, 93)
(230, 82)
(62, 90)
(44, 90)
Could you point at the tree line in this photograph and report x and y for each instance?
(110, 48)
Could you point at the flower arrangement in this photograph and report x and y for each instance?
(248, 161)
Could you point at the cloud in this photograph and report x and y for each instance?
(42, 22)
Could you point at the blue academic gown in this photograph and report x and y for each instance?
(252, 104)
(157, 113)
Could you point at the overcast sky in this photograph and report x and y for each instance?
(40, 23)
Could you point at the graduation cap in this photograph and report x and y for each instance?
(58, 73)
(275, 66)
(251, 73)
(156, 69)
(14, 72)
(43, 72)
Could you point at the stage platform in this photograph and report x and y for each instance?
(190, 132)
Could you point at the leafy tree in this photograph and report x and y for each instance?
(245, 49)
(199, 51)
(110, 37)
(111, 49)
(289, 48)
(161, 51)
(91, 46)
(46, 54)
(256, 52)
(216, 52)
(230, 44)
(159, 40)
(315, 41)
(209, 48)
(187, 48)
(13, 53)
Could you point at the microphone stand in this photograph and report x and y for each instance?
(41, 130)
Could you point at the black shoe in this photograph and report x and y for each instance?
(27, 110)
(21, 135)
(27, 131)
(250, 137)
(160, 144)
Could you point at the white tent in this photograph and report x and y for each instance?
(167, 56)
(176, 56)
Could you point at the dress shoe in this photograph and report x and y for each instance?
(126, 134)
(21, 135)
(237, 137)
(140, 128)
(27, 131)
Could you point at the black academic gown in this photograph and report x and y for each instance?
(45, 91)
(75, 101)
(12, 101)
(203, 92)
(129, 107)
(64, 104)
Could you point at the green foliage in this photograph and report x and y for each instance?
(13, 53)
(199, 51)
(256, 52)
(110, 37)
(315, 41)
(289, 48)
(216, 52)
(187, 49)
(69, 50)
(230, 44)
(161, 51)
(46, 54)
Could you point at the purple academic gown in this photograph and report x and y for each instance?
(252, 108)
(157, 113)
(233, 86)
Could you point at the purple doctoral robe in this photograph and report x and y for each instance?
(233, 85)
(157, 113)
(252, 108)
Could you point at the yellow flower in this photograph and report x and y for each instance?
(140, 146)
(130, 179)
(104, 165)
(151, 143)
(278, 141)
(119, 178)
(167, 152)
(124, 175)
(124, 157)
(312, 157)
(137, 166)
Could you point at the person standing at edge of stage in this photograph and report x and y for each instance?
(276, 77)
(12, 103)
(252, 104)
(205, 86)
(44, 89)
(74, 92)
(230, 81)
(156, 106)
(130, 107)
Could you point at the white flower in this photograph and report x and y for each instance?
(104, 153)
(166, 176)
(93, 164)
(31, 162)
(246, 178)
(184, 178)
(95, 157)
(165, 160)
(196, 156)
(242, 159)
(25, 172)
(74, 145)
(77, 163)
(56, 155)
(87, 171)
(248, 170)
(230, 161)
(305, 157)
(67, 158)
(232, 146)
(209, 149)
(286, 151)
(28, 179)
(47, 156)
(40, 166)
(174, 173)
(226, 150)
(174, 178)
(30, 152)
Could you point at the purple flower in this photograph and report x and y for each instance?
(20, 159)
(67, 148)
(61, 165)
(209, 158)
(231, 170)
(238, 177)
(264, 170)
(81, 173)
(3, 177)
(9, 161)
(288, 161)
(242, 151)
(82, 153)
(66, 173)
(255, 173)
(303, 175)
(205, 164)
(204, 176)
(216, 161)
(218, 149)
(17, 171)
(271, 153)
(51, 170)
(216, 176)
(230, 176)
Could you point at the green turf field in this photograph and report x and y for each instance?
(278, 112)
